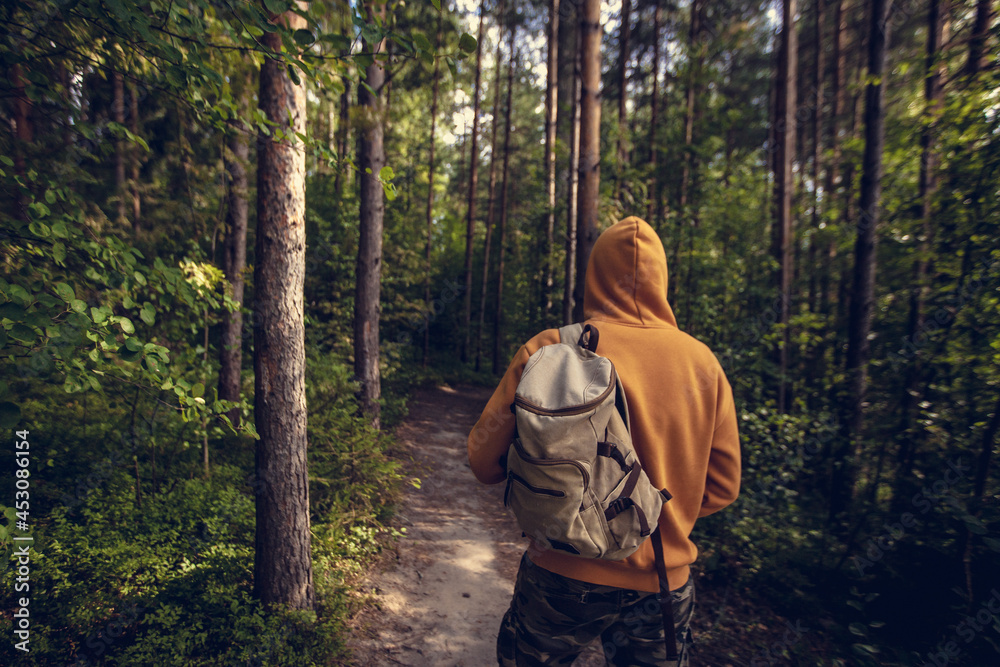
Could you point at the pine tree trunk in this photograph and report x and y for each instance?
(783, 181)
(934, 71)
(573, 191)
(470, 219)
(590, 144)
(371, 156)
(136, 158)
(551, 118)
(283, 564)
(118, 115)
(653, 207)
(23, 132)
(977, 42)
(234, 262)
(690, 101)
(817, 101)
(430, 198)
(624, 52)
(837, 101)
(502, 231)
(491, 196)
(863, 288)
(343, 138)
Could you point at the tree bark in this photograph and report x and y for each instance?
(863, 288)
(573, 190)
(234, 258)
(118, 115)
(283, 564)
(470, 218)
(368, 272)
(590, 144)
(690, 102)
(491, 196)
(502, 232)
(624, 52)
(927, 184)
(430, 198)
(977, 43)
(817, 101)
(343, 138)
(784, 184)
(551, 118)
(136, 159)
(653, 207)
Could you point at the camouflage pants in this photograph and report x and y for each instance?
(552, 618)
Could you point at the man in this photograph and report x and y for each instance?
(683, 425)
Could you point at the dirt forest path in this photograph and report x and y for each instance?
(438, 598)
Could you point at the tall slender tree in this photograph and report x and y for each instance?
(624, 53)
(504, 207)
(470, 217)
(283, 563)
(551, 119)
(490, 209)
(783, 182)
(934, 72)
(863, 288)
(368, 272)
(234, 255)
(572, 192)
(653, 206)
(590, 144)
(435, 88)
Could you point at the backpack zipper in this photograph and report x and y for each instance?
(568, 410)
(552, 462)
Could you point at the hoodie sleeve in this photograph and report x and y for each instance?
(722, 484)
(493, 434)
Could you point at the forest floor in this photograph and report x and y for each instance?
(437, 595)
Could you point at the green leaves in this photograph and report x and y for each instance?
(467, 43)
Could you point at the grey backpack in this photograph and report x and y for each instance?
(574, 482)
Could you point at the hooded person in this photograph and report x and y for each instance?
(684, 431)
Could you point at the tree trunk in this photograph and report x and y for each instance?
(234, 257)
(653, 207)
(863, 288)
(118, 115)
(817, 101)
(491, 196)
(977, 42)
(23, 132)
(343, 138)
(624, 52)
(368, 273)
(283, 564)
(470, 219)
(573, 190)
(502, 232)
(136, 159)
(551, 118)
(934, 71)
(430, 198)
(783, 182)
(690, 101)
(837, 98)
(590, 144)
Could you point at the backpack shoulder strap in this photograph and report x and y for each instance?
(573, 334)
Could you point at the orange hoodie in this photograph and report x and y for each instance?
(683, 420)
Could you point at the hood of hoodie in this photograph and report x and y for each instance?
(627, 277)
